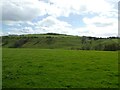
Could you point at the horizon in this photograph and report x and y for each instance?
(58, 34)
(77, 18)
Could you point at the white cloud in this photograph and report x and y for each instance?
(100, 27)
(83, 6)
(51, 24)
(14, 10)
(22, 12)
(29, 9)
(19, 31)
(50, 21)
(27, 30)
(12, 23)
(100, 21)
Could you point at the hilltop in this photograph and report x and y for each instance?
(59, 41)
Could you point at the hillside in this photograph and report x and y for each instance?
(59, 41)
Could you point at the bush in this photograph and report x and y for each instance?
(19, 43)
(111, 47)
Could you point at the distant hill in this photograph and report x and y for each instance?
(60, 41)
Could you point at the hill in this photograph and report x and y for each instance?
(60, 41)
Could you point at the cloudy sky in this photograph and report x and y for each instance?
(74, 17)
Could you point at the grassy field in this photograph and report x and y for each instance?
(47, 68)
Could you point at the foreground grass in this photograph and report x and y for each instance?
(45, 68)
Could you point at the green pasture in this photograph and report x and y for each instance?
(55, 68)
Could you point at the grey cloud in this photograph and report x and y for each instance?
(17, 11)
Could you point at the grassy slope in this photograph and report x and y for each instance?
(55, 42)
(45, 68)
(43, 41)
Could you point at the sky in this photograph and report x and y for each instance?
(97, 18)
